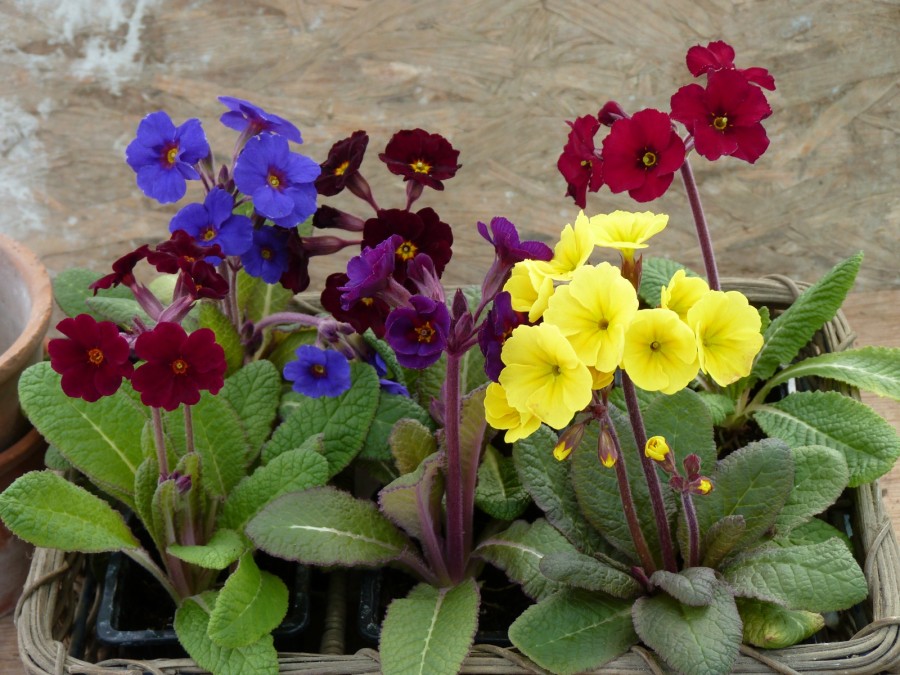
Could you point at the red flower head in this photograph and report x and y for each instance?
(93, 360)
(725, 117)
(363, 314)
(421, 157)
(296, 277)
(123, 270)
(202, 280)
(641, 154)
(179, 251)
(178, 366)
(720, 56)
(342, 163)
(422, 232)
(578, 163)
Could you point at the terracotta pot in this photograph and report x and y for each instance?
(26, 301)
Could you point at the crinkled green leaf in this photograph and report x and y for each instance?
(499, 492)
(813, 531)
(684, 420)
(70, 290)
(394, 371)
(210, 316)
(121, 311)
(820, 476)
(582, 571)
(425, 384)
(770, 626)
(656, 273)
(875, 369)
(693, 586)
(146, 479)
(254, 392)
(391, 409)
(718, 406)
(722, 537)
(431, 630)
(223, 548)
(411, 442)
(869, 444)
(46, 510)
(414, 495)
(574, 630)
(257, 299)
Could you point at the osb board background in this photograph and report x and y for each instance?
(496, 77)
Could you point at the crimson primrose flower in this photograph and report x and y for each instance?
(250, 120)
(180, 250)
(203, 281)
(342, 163)
(318, 372)
(641, 154)
(93, 360)
(123, 270)
(725, 117)
(422, 157)
(579, 163)
(720, 56)
(362, 314)
(420, 232)
(163, 155)
(178, 365)
(418, 332)
(213, 222)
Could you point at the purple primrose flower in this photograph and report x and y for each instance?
(418, 332)
(268, 256)
(213, 222)
(506, 243)
(318, 372)
(370, 271)
(499, 325)
(249, 119)
(163, 155)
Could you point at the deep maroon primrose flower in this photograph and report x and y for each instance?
(364, 313)
(422, 157)
(178, 366)
(720, 56)
(123, 270)
(342, 163)
(725, 117)
(178, 251)
(370, 271)
(213, 222)
(163, 155)
(641, 154)
(418, 332)
(203, 281)
(280, 182)
(295, 277)
(250, 120)
(92, 359)
(328, 216)
(495, 329)
(318, 372)
(420, 232)
(578, 163)
(268, 257)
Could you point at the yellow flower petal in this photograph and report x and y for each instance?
(682, 293)
(627, 231)
(660, 351)
(500, 415)
(728, 335)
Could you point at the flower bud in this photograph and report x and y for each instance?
(700, 486)
(657, 449)
(568, 441)
(691, 466)
(606, 449)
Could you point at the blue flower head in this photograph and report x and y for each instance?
(268, 257)
(280, 182)
(318, 372)
(163, 156)
(213, 222)
(250, 120)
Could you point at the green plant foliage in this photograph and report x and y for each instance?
(391, 409)
(254, 393)
(260, 299)
(411, 442)
(499, 493)
(875, 369)
(223, 548)
(70, 291)
(210, 316)
(820, 476)
(414, 495)
(121, 311)
(684, 421)
(694, 586)
(582, 571)
(771, 626)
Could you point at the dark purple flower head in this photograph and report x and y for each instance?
(280, 182)
(318, 372)
(720, 56)
(370, 271)
(364, 313)
(268, 257)
(579, 163)
(421, 157)
(328, 216)
(123, 270)
(163, 156)
(418, 332)
(295, 277)
(342, 163)
(213, 222)
(179, 251)
(505, 239)
(499, 324)
(250, 120)
(201, 280)
(420, 232)
(92, 359)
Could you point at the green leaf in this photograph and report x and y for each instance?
(656, 273)
(574, 630)
(820, 476)
(286, 344)
(875, 369)
(192, 621)
(718, 406)
(472, 426)
(694, 586)
(790, 331)
(70, 290)
(684, 420)
(101, 439)
(250, 605)
(770, 626)
(226, 335)
(813, 531)
(394, 371)
(691, 639)
(121, 311)
(869, 444)
(415, 495)
(425, 384)
(146, 479)
(499, 493)
(818, 578)
(431, 630)
(391, 409)
(582, 571)
(411, 442)
(323, 526)
(222, 549)
(721, 538)
(46, 510)
(518, 551)
(254, 392)
(258, 299)
(291, 471)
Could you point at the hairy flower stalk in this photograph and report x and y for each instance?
(160, 441)
(460, 499)
(703, 236)
(693, 527)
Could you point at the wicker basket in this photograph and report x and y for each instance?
(44, 616)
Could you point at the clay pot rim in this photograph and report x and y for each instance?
(19, 451)
(33, 273)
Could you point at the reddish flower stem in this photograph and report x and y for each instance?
(690, 516)
(703, 236)
(158, 437)
(459, 509)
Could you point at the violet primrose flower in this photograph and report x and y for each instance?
(249, 119)
(213, 222)
(280, 182)
(501, 320)
(418, 332)
(268, 256)
(370, 271)
(163, 156)
(318, 372)
(506, 243)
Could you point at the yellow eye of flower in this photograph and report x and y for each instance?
(342, 169)
(407, 250)
(179, 366)
(420, 167)
(208, 234)
(425, 332)
(95, 356)
(273, 180)
(720, 122)
(171, 155)
(649, 159)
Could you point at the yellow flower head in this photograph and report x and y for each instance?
(501, 415)
(543, 375)
(728, 338)
(530, 288)
(600, 379)
(682, 293)
(657, 449)
(593, 312)
(660, 351)
(627, 231)
(573, 249)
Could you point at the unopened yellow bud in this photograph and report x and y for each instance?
(561, 451)
(705, 486)
(568, 441)
(657, 449)
(606, 449)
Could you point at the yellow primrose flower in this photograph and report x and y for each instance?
(627, 231)
(660, 351)
(573, 249)
(529, 288)
(657, 449)
(543, 375)
(501, 415)
(682, 293)
(728, 338)
(600, 379)
(593, 312)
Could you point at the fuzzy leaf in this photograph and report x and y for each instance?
(820, 476)
(394, 371)
(258, 299)
(425, 384)
(223, 548)
(684, 420)
(121, 311)
(574, 630)
(210, 316)
(718, 406)
(46, 510)
(875, 369)
(694, 586)
(770, 626)
(391, 409)
(431, 630)
(70, 290)
(411, 442)
(813, 531)
(656, 273)
(414, 495)
(499, 493)
(722, 537)
(582, 571)
(869, 444)
(254, 392)
(146, 478)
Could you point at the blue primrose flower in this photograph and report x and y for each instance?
(268, 256)
(213, 222)
(318, 372)
(163, 156)
(280, 182)
(249, 119)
